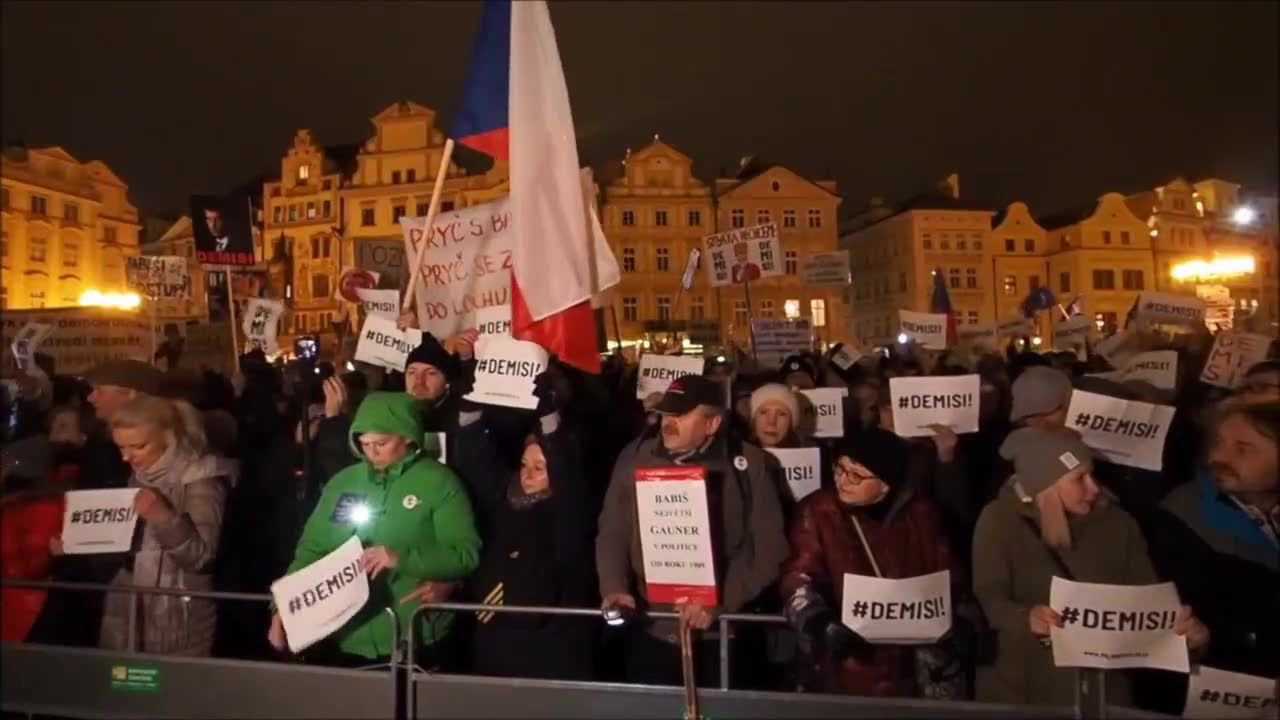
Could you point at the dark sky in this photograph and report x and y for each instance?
(1053, 103)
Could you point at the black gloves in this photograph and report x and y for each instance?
(544, 389)
(820, 630)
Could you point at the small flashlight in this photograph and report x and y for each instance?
(902, 338)
(351, 367)
(360, 514)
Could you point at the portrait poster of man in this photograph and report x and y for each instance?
(223, 230)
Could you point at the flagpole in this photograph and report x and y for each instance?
(231, 308)
(617, 330)
(751, 331)
(432, 211)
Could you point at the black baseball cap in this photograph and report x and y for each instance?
(687, 393)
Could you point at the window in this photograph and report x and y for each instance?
(971, 278)
(737, 218)
(1106, 237)
(70, 254)
(4, 243)
(740, 314)
(277, 213)
(961, 245)
(788, 218)
(39, 205)
(977, 245)
(71, 212)
(953, 278)
(304, 173)
(791, 262)
(421, 209)
(630, 309)
(411, 175)
(37, 298)
(791, 308)
(1033, 283)
(326, 208)
(1010, 285)
(818, 312)
(628, 217)
(320, 286)
(445, 206)
(37, 249)
(815, 218)
(763, 217)
(662, 257)
(311, 209)
(109, 234)
(628, 260)
(1105, 322)
(695, 218)
(1064, 282)
(315, 248)
(902, 282)
(327, 246)
(1132, 279)
(1124, 237)
(928, 244)
(660, 218)
(945, 244)
(664, 308)
(326, 185)
(395, 177)
(1010, 245)
(767, 308)
(1104, 280)
(397, 212)
(293, 213)
(973, 317)
(697, 310)
(367, 217)
(1029, 244)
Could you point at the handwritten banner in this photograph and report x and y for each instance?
(743, 254)
(1232, 355)
(160, 277)
(261, 324)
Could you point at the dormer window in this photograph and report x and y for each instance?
(304, 173)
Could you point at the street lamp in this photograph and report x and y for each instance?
(1244, 215)
(121, 301)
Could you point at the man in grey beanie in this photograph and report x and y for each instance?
(1040, 398)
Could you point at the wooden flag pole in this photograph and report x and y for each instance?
(231, 308)
(432, 211)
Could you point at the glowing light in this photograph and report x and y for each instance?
(1036, 341)
(360, 514)
(1244, 215)
(1218, 267)
(351, 367)
(122, 301)
(902, 338)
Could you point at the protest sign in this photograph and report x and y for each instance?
(494, 320)
(505, 370)
(1117, 626)
(1219, 310)
(384, 257)
(919, 402)
(1214, 694)
(1120, 346)
(980, 335)
(910, 611)
(1016, 327)
(82, 336)
(927, 329)
(261, 323)
(98, 521)
(1072, 335)
(208, 345)
(465, 267)
(743, 254)
(657, 372)
(1160, 307)
(383, 303)
(803, 468)
(846, 357)
(351, 280)
(159, 277)
(222, 229)
(824, 411)
(776, 338)
(675, 535)
(319, 599)
(690, 269)
(28, 342)
(382, 343)
(1126, 432)
(1158, 369)
(1232, 355)
(827, 269)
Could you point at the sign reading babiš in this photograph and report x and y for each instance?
(919, 402)
(675, 535)
(1125, 432)
(319, 599)
(742, 255)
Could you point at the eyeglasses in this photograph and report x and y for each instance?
(852, 474)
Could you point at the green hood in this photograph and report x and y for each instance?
(394, 413)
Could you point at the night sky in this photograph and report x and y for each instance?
(1053, 103)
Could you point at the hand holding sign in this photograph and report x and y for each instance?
(151, 506)
(945, 440)
(921, 403)
(319, 599)
(376, 559)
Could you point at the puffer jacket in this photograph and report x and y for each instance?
(178, 554)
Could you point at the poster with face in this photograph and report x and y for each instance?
(223, 229)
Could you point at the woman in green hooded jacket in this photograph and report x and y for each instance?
(413, 518)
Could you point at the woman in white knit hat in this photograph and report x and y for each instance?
(775, 417)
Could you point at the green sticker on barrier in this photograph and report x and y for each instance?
(135, 678)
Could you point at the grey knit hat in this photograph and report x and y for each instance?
(1038, 390)
(1040, 457)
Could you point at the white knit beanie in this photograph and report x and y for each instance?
(776, 393)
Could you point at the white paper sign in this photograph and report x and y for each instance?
(319, 599)
(658, 371)
(1214, 694)
(743, 254)
(827, 408)
(1170, 308)
(382, 343)
(675, 538)
(383, 303)
(494, 320)
(28, 341)
(927, 329)
(1119, 346)
(1232, 355)
(1072, 334)
(980, 335)
(261, 323)
(776, 338)
(690, 269)
(505, 371)
(98, 521)
(803, 468)
(1159, 369)
(845, 358)
(161, 277)
(827, 269)
(1117, 626)
(1125, 432)
(910, 611)
(919, 402)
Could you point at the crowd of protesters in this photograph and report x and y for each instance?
(243, 480)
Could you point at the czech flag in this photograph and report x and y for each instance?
(941, 303)
(515, 107)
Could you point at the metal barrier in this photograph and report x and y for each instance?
(74, 682)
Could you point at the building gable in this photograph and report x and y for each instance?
(779, 180)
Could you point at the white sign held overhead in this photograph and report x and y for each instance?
(98, 521)
(675, 535)
(1120, 346)
(319, 599)
(846, 357)
(1232, 355)
(658, 371)
(383, 303)
(1220, 695)
(1117, 626)
(929, 330)
(776, 338)
(803, 468)
(919, 402)
(505, 371)
(910, 611)
(980, 335)
(1016, 327)
(1158, 369)
(827, 408)
(1170, 308)
(382, 343)
(1072, 335)
(690, 269)
(1125, 432)
(827, 269)
(742, 255)
(28, 341)
(261, 323)
(159, 277)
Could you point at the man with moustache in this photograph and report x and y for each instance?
(745, 513)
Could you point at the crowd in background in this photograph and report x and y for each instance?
(243, 480)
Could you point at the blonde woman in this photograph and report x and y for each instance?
(179, 504)
(1051, 519)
